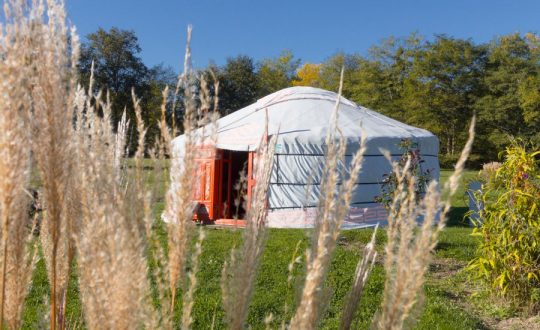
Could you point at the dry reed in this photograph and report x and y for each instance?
(334, 202)
(16, 256)
(78, 164)
(110, 241)
(239, 272)
(363, 269)
(51, 62)
(192, 276)
(199, 128)
(179, 205)
(409, 247)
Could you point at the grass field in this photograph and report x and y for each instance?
(443, 305)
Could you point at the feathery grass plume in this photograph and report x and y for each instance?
(120, 142)
(200, 129)
(51, 60)
(192, 276)
(182, 81)
(16, 252)
(153, 190)
(138, 196)
(207, 121)
(363, 269)
(239, 272)
(165, 138)
(333, 206)
(141, 129)
(407, 253)
(216, 90)
(489, 171)
(110, 244)
(179, 205)
(296, 259)
(409, 247)
(268, 321)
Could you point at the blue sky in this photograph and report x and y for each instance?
(313, 30)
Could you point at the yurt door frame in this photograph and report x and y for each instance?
(250, 179)
(213, 189)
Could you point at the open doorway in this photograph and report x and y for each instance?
(238, 188)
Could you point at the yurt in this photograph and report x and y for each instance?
(301, 118)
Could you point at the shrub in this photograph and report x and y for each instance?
(508, 257)
(411, 157)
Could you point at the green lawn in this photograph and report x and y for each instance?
(440, 308)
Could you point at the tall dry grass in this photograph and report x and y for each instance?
(199, 128)
(16, 253)
(38, 36)
(179, 206)
(110, 240)
(87, 208)
(84, 202)
(117, 236)
(98, 210)
(333, 206)
(410, 246)
(363, 269)
(238, 274)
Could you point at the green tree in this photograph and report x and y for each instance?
(238, 84)
(118, 69)
(383, 79)
(510, 106)
(439, 84)
(159, 77)
(276, 74)
(330, 72)
(433, 85)
(529, 92)
(117, 65)
(447, 74)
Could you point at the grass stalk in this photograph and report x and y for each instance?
(187, 307)
(239, 272)
(363, 269)
(333, 206)
(5, 223)
(409, 247)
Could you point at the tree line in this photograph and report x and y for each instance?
(437, 84)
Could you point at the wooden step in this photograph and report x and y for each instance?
(236, 223)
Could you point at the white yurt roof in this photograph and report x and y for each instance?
(302, 117)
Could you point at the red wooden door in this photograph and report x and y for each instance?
(205, 192)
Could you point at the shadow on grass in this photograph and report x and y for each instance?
(447, 310)
(456, 217)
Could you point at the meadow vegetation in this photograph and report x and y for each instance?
(508, 257)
